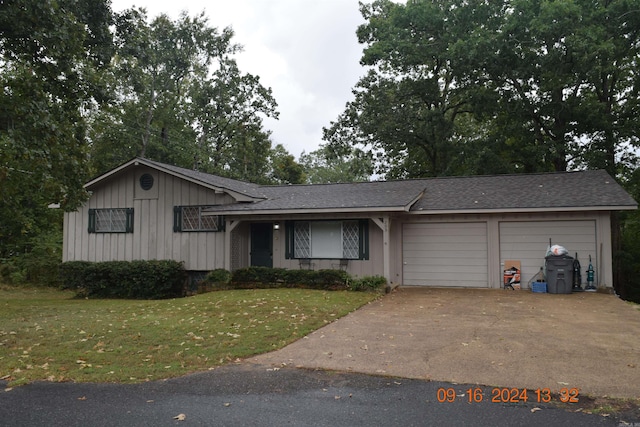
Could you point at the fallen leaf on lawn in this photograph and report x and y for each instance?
(562, 383)
(82, 398)
(227, 404)
(536, 409)
(336, 397)
(180, 417)
(8, 389)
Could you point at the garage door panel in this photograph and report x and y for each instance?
(445, 254)
(478, 252)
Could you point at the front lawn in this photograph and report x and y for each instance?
(46, 334)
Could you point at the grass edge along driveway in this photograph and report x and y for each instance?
(46, 334)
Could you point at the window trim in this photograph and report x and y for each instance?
(178, 214)
(128, 220)
(363, 238)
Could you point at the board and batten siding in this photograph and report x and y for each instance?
(153, 236)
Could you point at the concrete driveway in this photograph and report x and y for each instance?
(587, 341)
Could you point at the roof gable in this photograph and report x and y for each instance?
(239, 190)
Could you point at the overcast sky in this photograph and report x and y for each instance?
(305, 50)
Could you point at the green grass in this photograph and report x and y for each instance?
(48, 335)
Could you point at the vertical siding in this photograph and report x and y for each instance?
(153, 236)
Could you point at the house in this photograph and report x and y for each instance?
(452, 232)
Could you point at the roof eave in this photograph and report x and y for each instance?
(212, 211)
(523, 210)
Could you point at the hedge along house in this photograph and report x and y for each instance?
(450, 232)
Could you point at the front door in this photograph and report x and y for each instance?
(262, 244)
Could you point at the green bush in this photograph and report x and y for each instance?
(125, 279)
(36, 262)
(219, 275)
(217, 279)
(261, 277)
(367, 283)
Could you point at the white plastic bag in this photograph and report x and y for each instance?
(557, 250)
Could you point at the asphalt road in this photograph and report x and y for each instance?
(257, 395)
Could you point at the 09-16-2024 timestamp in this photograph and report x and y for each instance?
(508, 395)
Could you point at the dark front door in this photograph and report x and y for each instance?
(262, 244)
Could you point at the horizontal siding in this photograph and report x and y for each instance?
(445, 254)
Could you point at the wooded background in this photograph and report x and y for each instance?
(452, 87)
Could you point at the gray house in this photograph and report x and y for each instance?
(451, 232)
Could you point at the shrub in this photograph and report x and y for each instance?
(125, 279)
(261, 277)
(36, 262)
(367, 283)
(217, 279)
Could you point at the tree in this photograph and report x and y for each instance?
(407, 106)
(285, 170)
(53, 53)
(341, 163)
(189, 106)
(566, 75)
(227, 111)
(549, 84)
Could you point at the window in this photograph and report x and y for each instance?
(327, 239)
(190, 218)
(118, 220)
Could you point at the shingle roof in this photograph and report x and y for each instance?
(581, 189)
(247, 188)
(392, 195)
(561, 190)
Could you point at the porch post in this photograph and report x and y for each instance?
(384, 222)
(230, 225)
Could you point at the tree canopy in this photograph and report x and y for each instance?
(180, 98)
(84, 89)
(51, 57)
(473, 86)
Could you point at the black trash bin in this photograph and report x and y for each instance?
(559, 274)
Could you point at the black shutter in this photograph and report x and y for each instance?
(92, 220)
(129, 220)
(363, 239)
(177, 219)
(288, 239)
(222, 225)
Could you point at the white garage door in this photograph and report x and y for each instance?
(527, 241)
(445, 254)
